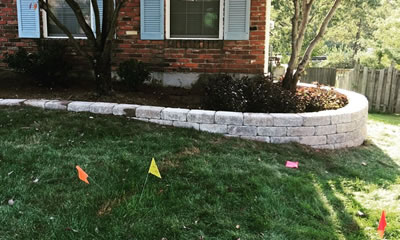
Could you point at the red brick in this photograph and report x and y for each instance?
(171, 55)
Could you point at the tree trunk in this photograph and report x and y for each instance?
(289, 82)
(102, 71)
(288, 79)
(356, 45)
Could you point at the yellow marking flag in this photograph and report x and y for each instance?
(154, 169)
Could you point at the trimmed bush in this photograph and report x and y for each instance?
(49, 66)
(225, 93)
(133, 73)
(266, 96)
(260, 94)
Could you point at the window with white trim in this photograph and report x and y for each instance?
(66, 16)
(195, 18)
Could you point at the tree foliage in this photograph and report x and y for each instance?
(361, 29)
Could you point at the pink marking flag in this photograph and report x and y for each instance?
(290, 164)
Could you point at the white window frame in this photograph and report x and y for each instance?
(46, 32)
(168, 22)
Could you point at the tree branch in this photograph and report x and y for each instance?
(293, 56)
(303, 25)
(317, 38)
(96, 19)
(82, 21)
(295, 20)
(113, 23)
(63, 28)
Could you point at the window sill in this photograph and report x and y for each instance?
(60, 37)
(194, 39)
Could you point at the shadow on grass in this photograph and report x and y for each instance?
(356, 170)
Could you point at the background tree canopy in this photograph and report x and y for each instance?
(367, 30)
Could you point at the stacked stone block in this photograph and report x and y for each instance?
(335, 129)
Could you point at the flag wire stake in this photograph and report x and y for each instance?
(144, 185)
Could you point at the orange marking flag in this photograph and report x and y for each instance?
(382, 225)
(82, 175)
(154, 169)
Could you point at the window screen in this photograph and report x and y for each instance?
(67, 17)
(194, 18)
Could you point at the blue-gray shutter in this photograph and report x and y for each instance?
(237, 19)
(28, 19)
(152, 19)
(93, 18)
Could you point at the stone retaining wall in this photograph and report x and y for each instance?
(334, 129)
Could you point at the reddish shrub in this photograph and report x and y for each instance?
(314, 99)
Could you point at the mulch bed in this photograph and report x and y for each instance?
(14, 85)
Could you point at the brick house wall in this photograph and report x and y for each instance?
(9, 41)
(198, 56)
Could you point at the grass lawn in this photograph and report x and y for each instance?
(211, 188)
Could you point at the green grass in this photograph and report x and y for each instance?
(212, 187)
(392, 119)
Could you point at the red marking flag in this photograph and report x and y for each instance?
(382, 225)
(82, 175)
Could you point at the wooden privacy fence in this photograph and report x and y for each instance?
(380, 86)
(326, 76)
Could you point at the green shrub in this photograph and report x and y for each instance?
(200, 86)
(20, 62)
(225, 93)
(258, 94)
(49, 66)
(261, 94)
(133, 73)
(266, 96)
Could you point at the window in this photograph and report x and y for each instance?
(195, 19)
(67, 17)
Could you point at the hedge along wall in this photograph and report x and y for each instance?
(334, 129)
(245, 56)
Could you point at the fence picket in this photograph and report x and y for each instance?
(393, 91)
(398, 94)
(387, 89)
(370, 89)
(364, 81)
(351, 73)
(379, 91)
